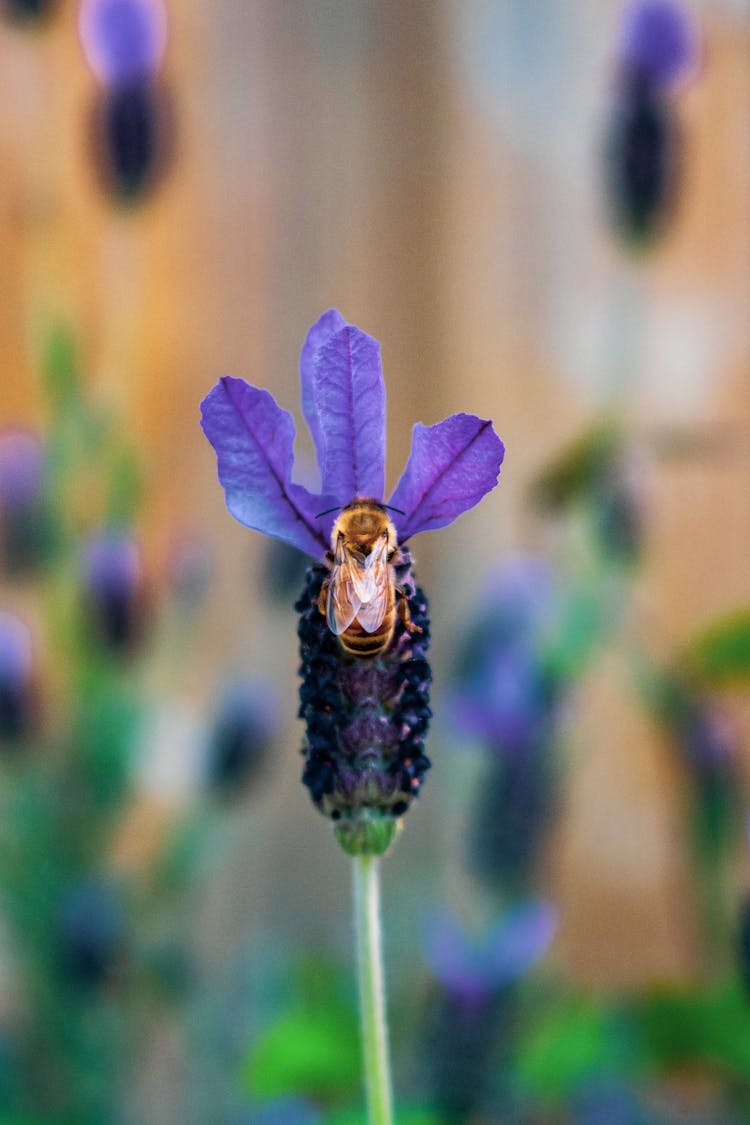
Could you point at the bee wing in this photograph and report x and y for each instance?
(376, 588)
(343, 596)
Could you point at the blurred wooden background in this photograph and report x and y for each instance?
(434, 171)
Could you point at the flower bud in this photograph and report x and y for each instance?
(245, 725)
(15, 677)
(366, 720)
(131, 129)
(24, 517)
(113, 589)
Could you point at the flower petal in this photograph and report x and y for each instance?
(520, 940)
(253, 438)
(349, 397)
(451, 467)
(320, 333)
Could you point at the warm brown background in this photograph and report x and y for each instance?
(433, 170)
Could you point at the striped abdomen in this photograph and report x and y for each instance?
(357, 642)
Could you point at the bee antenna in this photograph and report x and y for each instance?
(392, 509)
(328, 511)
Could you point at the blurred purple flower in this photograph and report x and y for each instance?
(246, 721)
(505, 693)
(112, 575)
(709, 735)
(123, 40)
(21, 467)
(657, 42)
(16, 658)
(451, 467)
(472, 971)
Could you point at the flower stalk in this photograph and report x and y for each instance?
(377, 1070)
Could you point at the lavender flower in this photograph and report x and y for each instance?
(657, 49)
(24, 516)
(124, 42)
(474, 1008)
(112, 576)
(245, 725)
(509, 695)
(365, 718)
(15, 676)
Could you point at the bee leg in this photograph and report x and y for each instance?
(323, 596)
(402, 606)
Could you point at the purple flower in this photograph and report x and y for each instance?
(113, 585)
(657, 42)
(16, 659)
(245, 725)
(365, 705)
(20, 470)
(123, 40)
(472, 970)
(505, 694)
(451, 467)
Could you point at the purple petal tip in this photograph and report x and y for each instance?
(658, 41)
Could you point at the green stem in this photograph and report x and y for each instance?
(371, 989)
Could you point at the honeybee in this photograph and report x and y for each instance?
(360, 597)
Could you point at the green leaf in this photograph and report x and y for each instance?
(710, 1029)
(721, 654)
(60, 367)
(572, 1043)
(574, 472)
(311, 1050)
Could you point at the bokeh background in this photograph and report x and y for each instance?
(175, 935)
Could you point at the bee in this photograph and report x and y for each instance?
(360, 598)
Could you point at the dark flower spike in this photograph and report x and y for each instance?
(365, 700)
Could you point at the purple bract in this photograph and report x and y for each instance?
(20, 469)
(15, 653)
(123, 40)
(657, 42)
(471, 969)
(451, 467)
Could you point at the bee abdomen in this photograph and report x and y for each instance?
(357, 642)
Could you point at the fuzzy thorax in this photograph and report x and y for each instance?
(366, 720)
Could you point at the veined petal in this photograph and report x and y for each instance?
(452, 465)
(253, 438)
(349, 397)
(320, 333)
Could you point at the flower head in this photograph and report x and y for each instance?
(365, 679)
(505, 694)
(112, 578)
(16, 663)
(451, 467)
